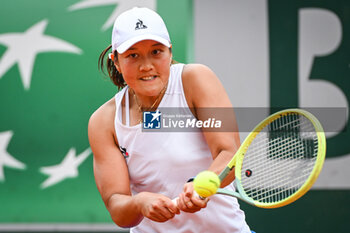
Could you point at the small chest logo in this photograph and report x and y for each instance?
(140, 25)
(124, 152)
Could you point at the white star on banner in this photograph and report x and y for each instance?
(122, 5)
(68, 168)
(5, 158)
(23, 48)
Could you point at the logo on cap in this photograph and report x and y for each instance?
(140, 25)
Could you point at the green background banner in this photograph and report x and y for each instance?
(47, 122)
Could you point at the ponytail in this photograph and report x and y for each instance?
(114, 75)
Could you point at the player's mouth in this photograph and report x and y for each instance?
(149, 78)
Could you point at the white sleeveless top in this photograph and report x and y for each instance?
(161, 162)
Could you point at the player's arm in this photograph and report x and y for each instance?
(110, 170)
(204, 93)
(112, 177)
(207, 96)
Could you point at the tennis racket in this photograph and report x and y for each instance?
(279, 160)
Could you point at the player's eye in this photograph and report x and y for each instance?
(156, 51)
(133, 55)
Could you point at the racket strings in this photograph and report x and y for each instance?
(285, 181)
(267, 192)
(280, 159)
(273, 191)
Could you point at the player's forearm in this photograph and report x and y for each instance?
(220, 163)
(124, 210)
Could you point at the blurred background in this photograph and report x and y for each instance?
(267, 53)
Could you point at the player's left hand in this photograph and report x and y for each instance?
(189, 202)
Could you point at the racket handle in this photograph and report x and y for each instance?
(175, 200)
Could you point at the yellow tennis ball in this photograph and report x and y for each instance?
(206, 183)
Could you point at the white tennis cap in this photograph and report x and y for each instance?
(138, 24)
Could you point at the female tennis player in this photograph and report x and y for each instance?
(139, 173)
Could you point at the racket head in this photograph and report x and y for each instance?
(280, 159)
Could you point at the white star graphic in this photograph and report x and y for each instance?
(5, 158)
(68, 168)
(156, 115)
(122, 5)
(23, 48)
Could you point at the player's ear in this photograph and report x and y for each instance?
(117, 66)
(171, 54)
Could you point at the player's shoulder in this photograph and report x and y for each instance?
(104, 115)
(195, 70)
(197, 79)
(198, 76)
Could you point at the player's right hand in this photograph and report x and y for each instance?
(188, 201)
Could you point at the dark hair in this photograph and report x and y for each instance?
(114, 75)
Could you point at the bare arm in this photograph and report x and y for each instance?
(204, 91)
(112, 177)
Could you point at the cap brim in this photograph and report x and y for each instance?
(127, 44)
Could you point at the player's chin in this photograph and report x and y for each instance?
(152, 91)
(153, 88)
